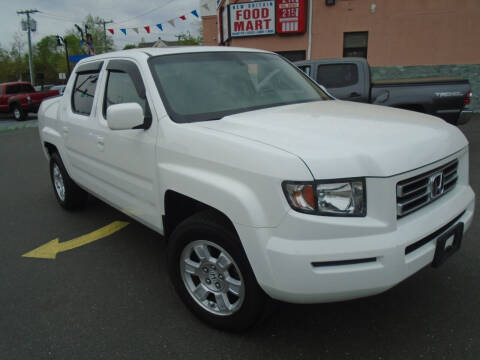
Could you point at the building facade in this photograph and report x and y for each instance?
(401, 38)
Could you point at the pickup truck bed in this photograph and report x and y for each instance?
(350, 79)
(442, 97)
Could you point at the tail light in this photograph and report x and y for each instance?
(468, 98)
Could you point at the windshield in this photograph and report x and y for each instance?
(211, 85)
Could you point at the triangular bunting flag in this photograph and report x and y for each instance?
(135, 29)
(111, 31)
(160, 27)
(183, 17)
(124, 31)
(147, 29)
(172, 22)
(195, 13)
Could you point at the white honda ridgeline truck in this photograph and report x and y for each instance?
(261, 182)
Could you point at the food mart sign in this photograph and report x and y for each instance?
(252, 19)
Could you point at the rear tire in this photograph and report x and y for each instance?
(211, 273)
(18, 113)
(69, 195)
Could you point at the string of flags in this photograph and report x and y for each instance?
(149, 28)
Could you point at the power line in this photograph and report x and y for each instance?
(59, 16)
(144, 13)
(57, 19)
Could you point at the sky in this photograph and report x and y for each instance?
(59, 16)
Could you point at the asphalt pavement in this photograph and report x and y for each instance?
(112, 299)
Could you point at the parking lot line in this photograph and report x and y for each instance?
(53, 247)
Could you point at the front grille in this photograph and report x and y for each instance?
(418, 191)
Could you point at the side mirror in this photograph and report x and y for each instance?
(124, 116)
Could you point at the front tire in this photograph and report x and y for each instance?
(211, 273)
(18, 113)
(69, 195)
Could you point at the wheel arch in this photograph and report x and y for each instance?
(12, 102)
(412, 107)
(50, 148)
(179, 207)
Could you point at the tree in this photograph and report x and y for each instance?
(14, 63)
(188, 39)
(129, 46)
(102, 43)
(49, 60)
(73, 43)
(17, 45)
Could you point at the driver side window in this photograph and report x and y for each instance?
(121, 89)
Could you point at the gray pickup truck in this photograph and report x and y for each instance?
(350, 79)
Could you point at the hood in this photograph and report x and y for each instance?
(340, 139)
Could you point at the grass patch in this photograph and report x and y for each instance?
(16, 127)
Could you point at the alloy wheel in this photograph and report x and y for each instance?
(212, 278)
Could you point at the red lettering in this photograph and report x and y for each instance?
(246, 14)
(238, 26)
(265, 12)
(258, 24)
(267, 23)
(238, 13)
(256, 13)
(249, 26)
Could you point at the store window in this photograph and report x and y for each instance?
(355, 44)
(298, 55)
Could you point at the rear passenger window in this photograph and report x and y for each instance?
(26, 88)
(84, 92)
(337, 75)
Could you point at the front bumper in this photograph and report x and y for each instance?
(312, 259)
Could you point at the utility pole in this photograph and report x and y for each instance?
(30, 62)
(104, 23)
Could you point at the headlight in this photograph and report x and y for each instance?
(330, 198)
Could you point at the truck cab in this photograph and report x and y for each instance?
(346, 79)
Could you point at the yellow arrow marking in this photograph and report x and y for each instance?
(52, 248)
